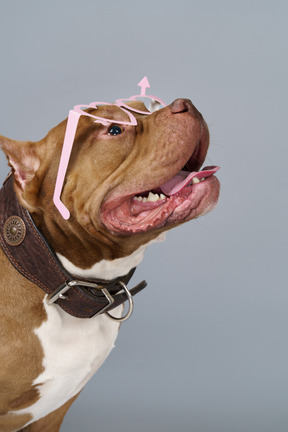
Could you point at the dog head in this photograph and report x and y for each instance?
(125, 184)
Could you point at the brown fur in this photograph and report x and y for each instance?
(21, 353)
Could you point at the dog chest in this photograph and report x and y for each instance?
(73, 350)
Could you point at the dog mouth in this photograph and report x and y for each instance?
(187, 195)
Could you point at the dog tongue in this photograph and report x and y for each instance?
(183, 178)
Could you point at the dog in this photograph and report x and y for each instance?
(132, 174)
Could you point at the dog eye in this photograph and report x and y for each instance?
(115, 130)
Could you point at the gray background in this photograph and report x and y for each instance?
(206, 349)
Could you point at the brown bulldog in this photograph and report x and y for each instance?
(125, 185)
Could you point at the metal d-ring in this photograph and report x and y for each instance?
(131, 305)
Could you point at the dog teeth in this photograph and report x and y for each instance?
(195, 180)
(151, 197)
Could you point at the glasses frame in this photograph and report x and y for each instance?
(71, 128)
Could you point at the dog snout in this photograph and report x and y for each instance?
(184, 105)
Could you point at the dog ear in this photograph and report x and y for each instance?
(23, 160)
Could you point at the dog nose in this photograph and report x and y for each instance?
(183, 105)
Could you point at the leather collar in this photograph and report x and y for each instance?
(30, 254)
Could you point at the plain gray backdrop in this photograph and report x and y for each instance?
(206, 349)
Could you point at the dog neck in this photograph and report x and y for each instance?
(100, 254)
(110, 269)
(30, 254)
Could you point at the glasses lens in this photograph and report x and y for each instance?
(150, 103)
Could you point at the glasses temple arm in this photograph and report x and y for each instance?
(71, 127)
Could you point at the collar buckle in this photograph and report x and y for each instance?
(59, 293)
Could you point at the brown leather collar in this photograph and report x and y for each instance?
(30, 254)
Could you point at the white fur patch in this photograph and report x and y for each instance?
(74, 348)
(110, 269)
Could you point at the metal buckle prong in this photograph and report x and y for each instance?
(58, 293)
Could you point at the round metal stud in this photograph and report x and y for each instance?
(14, 231)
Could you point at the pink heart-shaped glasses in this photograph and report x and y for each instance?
(72, 123)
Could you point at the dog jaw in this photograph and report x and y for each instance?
(138, 214)
(183, 144)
